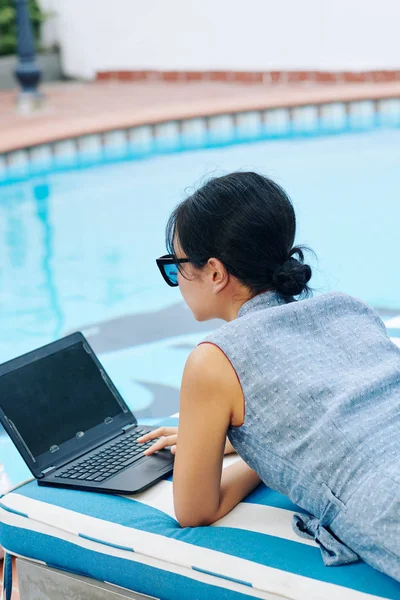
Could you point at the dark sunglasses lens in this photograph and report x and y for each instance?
(171, 271)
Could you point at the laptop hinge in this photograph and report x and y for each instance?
(128, 427)
(48, 470)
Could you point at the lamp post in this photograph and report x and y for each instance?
(27, 71)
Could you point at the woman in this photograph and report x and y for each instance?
(307, 391)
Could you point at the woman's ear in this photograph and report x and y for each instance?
(218, 274)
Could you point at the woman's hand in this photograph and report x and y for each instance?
(168, 437)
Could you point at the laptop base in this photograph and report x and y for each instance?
(132, 480)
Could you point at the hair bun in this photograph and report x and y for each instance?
(291, 278)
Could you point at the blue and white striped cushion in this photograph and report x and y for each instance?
(136, 543)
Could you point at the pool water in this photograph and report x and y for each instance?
(78, 251)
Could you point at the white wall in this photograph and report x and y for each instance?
(225, 34)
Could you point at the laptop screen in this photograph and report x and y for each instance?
(56, 398)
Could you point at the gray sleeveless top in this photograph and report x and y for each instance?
(321, 382)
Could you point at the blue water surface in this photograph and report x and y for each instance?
(78, 248)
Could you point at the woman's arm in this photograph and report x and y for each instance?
(209, 391)
(237, 482)
(167, 439)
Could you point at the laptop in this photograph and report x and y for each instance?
(71, 425)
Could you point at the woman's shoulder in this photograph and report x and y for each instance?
(329, 305)
(339, 305)
(346, 301)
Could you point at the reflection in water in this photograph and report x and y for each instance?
(30, 313)
(42, 194)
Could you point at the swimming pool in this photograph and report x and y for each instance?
(79, 248)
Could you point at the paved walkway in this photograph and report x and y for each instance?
(76, 108)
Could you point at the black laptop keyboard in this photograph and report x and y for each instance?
(107, 462)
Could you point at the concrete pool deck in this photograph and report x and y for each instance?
(79, 108)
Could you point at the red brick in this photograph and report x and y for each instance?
(103, 75)
(275, 76)
(298, 76)
(243, 76)
(248, 77)
(195, 75)
(125, 75)
(219, 76)
(257, 77)
(355, 77)
(170, 76)
(325, 77)
(384, 76)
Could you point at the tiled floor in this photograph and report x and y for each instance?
(76, 108)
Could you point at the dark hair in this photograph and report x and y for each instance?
(247, 221)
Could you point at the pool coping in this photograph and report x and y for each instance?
(269, 112)
(260, 98)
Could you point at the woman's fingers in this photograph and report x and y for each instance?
(164, 436)
(156, 433)
(163, 442)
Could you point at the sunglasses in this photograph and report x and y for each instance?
(168, 266)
